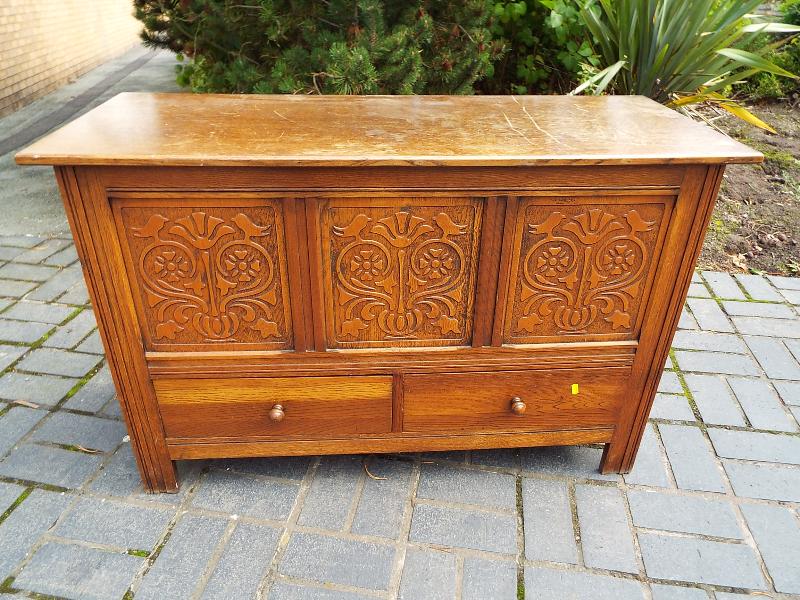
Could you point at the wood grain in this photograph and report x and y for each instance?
(314, 407)
(231, 130)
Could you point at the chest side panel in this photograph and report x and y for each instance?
(399, 271)
(207, 274)
(582, 268)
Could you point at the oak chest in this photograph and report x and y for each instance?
(282, 275)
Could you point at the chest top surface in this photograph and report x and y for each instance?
(353, 131)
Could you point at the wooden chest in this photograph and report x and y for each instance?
(283, 275)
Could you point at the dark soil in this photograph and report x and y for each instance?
(756, 222)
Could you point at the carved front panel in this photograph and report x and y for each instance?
(583, 267)
(399, 271)
(208, 275)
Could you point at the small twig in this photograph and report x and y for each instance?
(88, 450)
(26, 403)
(370, 475)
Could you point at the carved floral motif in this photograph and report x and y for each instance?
(208, 277)
(403, 274)
(583, 268)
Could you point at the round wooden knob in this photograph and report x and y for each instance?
(277, 414)
(518, 406)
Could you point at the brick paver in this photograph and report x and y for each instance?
(710, 510)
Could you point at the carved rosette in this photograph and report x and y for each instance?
(209, 276)
(403, 275)
(583, 270)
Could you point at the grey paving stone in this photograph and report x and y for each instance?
(59, 362)
(606, 536)
(428, 575)
(551, 584)
(687, 321)
(380, 509)
(687, 514)
(451, 484)
(777, 535)
(691, 458)
(287, 591)
(95, 393)
(126, 526)
(15, 289)
(789, 391)
(10, 354)
(183, 559)
(9, 492)
(506, 458)
(119, 477)
(243, 563)
(112, 409)
(81, 430)
(668, 363)
(457, 456)
(673, 592)
(41, 389)
(23, 527)
(49, 465)
(92, 344)
(706, 340)
(714, 400)
(698, 290)
(488, 579)
(22, 241)
(794, 346)
(77, 572)
(57, 284)
(723, 285)
(547, 515)
(759, 309)
(464, 529)
(770, 482)
(791, 296)
(565, 461)
(18, 421)
(36, 311)
(63, 258)
(709, 315)
(716, 362)
(69, 334)
(77, 294)
(5, 303)
(334, 560)
(785, 283)
(9, 252)
(650, 467)
(25, 332)
(761, 405)
(26, 272)
(751, 445)
(332, 491)
(38, 253)
(293, 467)
(758, 287)
(669, 406)
(701, 561)
(766, 326)
(669, 383)
(235, 493)
(774, 357)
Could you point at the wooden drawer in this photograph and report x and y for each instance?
(483, 401)
(313, 407)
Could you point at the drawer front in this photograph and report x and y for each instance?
(400, 271)
(551, 400)
(582, 267)
(312, 407)
(207, 273)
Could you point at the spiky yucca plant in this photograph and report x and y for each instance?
(681, 52)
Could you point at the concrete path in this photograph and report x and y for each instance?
(709, 512)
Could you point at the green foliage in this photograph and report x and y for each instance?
(767, 85)
(330, 46)
(665, 49)
(547, 44)
(791, 11)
